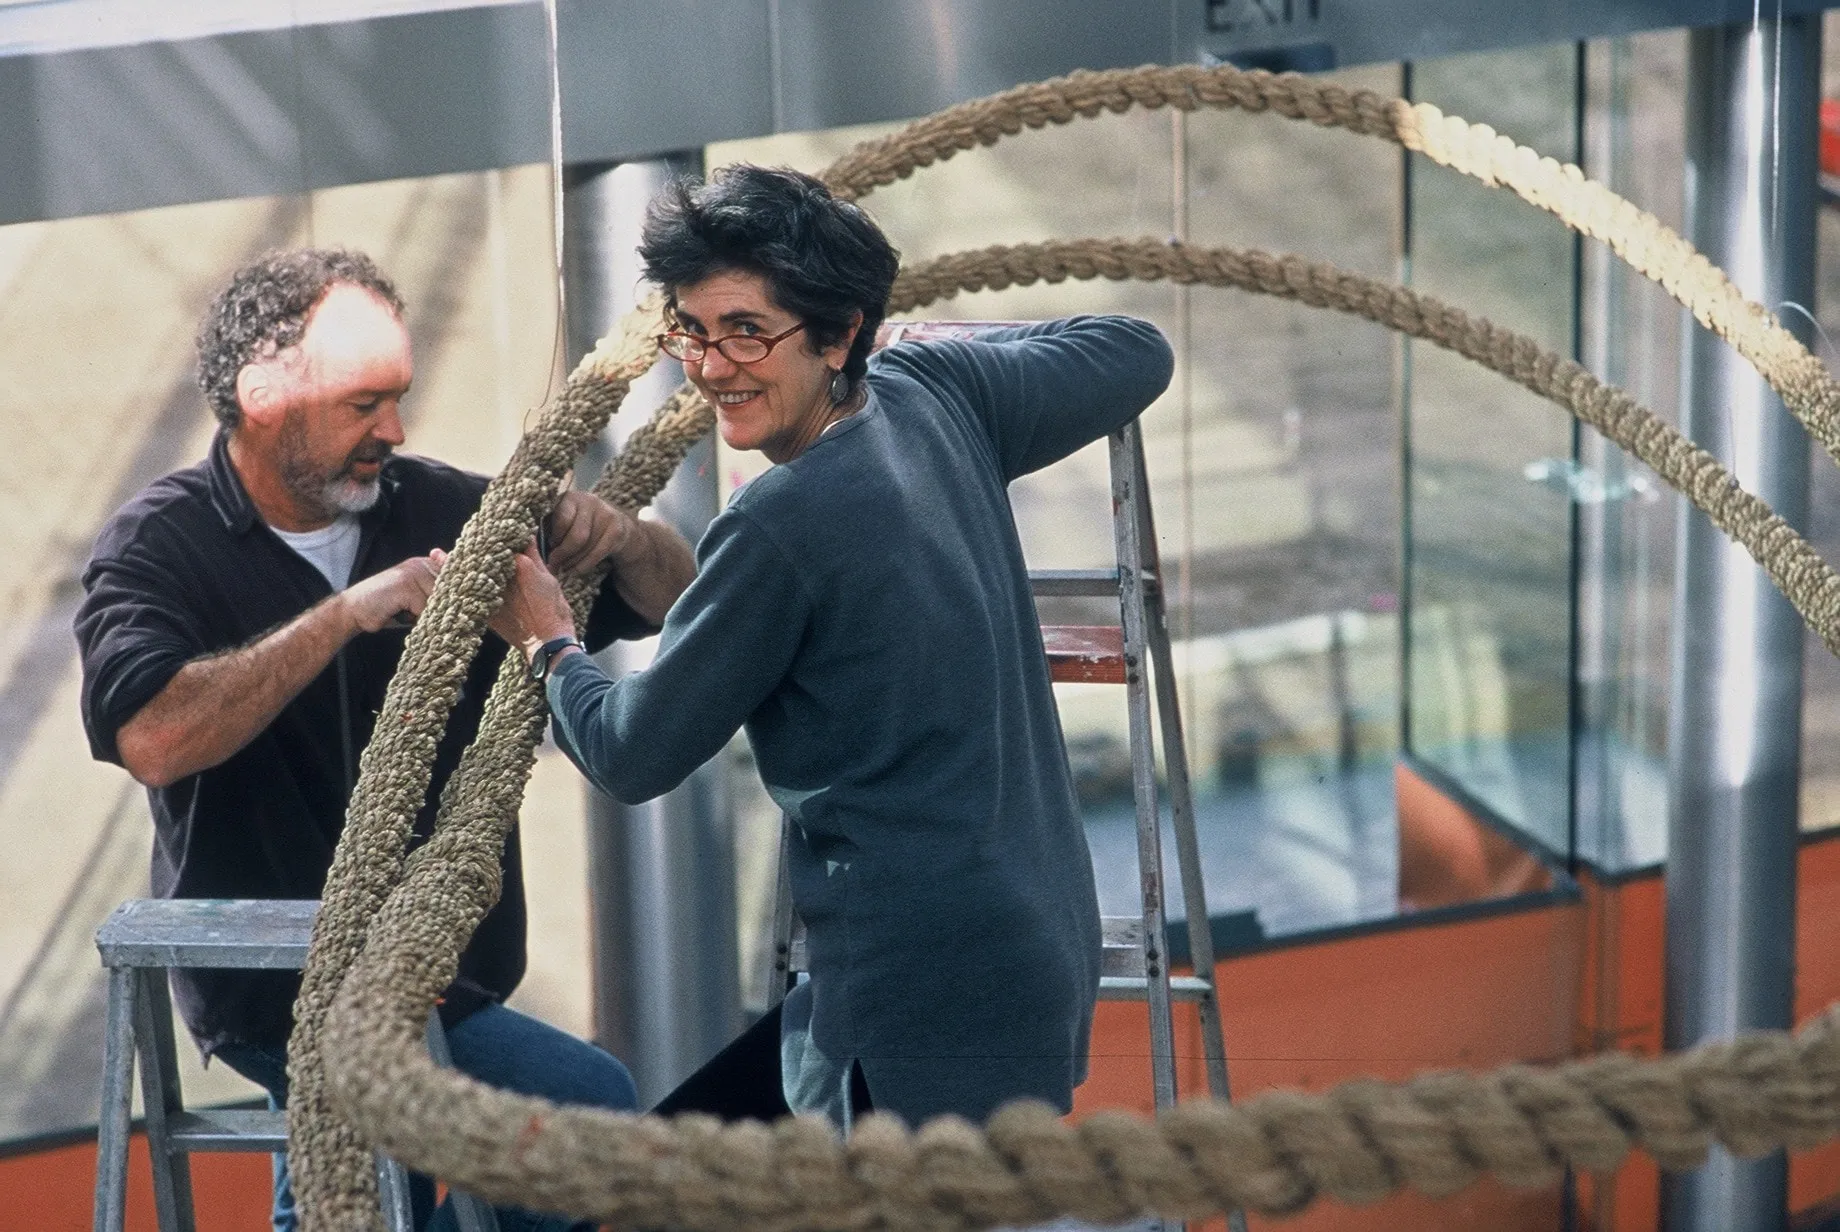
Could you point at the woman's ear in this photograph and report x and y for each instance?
(837, 353)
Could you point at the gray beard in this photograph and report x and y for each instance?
(327, 495)
(344, 494)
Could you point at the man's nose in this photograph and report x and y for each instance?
(387, 427)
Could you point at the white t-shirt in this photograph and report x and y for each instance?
(333, 549)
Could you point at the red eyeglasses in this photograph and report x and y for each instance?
(736, 348)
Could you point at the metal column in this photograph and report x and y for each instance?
(1735, 734)
(666, 968)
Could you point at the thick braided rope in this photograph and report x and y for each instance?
(330, 1163)
(1473, 150)
(1809, 583)
(1272, 1155)
(1476, 150)
(479, 804)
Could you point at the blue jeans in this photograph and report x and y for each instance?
(501, 1048)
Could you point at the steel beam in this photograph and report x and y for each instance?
(1735, 717)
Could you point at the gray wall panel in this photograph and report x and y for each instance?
(424, 94)
(21, 179)
(919, 56)
(1371, 31)
(641, 78)
(118, 128)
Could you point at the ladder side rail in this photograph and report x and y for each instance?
(1181, 789)
(470, 1212)
(161, 1100)
(1181, 792)
(393, 1194)
(115, 1124)
(1143, 762)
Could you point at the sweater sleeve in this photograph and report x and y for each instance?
(1042, 391)
(727, 644)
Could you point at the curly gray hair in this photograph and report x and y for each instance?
(264, 309)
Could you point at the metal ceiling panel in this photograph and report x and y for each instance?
(918, 56)
(1314, 34)
(264, 112)
(642, 78)
(98, 128)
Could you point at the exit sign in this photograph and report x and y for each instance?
(1247, 16)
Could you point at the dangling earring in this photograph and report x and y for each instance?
(840, 386)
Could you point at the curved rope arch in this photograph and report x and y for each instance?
(390, 930)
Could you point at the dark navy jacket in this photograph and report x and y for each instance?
(188, 568)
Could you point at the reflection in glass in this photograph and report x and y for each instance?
(1631, 336)
(1489, 466)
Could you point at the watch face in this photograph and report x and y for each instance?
(546, 655)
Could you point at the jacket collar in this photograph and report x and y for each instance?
(240, 515)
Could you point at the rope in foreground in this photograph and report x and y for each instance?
(390, 931)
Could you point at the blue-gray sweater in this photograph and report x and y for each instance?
(865, 611)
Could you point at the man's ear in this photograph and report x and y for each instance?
(258, 392)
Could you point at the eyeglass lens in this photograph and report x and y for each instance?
(739, 348)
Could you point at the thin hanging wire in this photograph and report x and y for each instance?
(559, 343)
(1827, 342)
(303, 161)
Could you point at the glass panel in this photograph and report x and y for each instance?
(1821, 675)
(1290, 564)
(1488, 524)
(1627, 518)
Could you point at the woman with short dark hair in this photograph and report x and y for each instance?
(863, 610)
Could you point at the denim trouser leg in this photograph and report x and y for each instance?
(504, 1048)
(498, 1046)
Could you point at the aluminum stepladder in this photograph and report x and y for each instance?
(1136, 654)
(139, 942)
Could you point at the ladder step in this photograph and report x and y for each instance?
(228, 1129)
(1073, 583)
(1084, 654)
(260, 934)
(1137, 988)
(1121, 953)
(1121, 974)
(1081, 583)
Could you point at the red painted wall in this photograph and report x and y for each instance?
(53, 1191)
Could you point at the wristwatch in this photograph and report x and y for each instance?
(546, 655)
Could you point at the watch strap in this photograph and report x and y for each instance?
(547, 652)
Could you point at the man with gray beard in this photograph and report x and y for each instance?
(241, 622)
